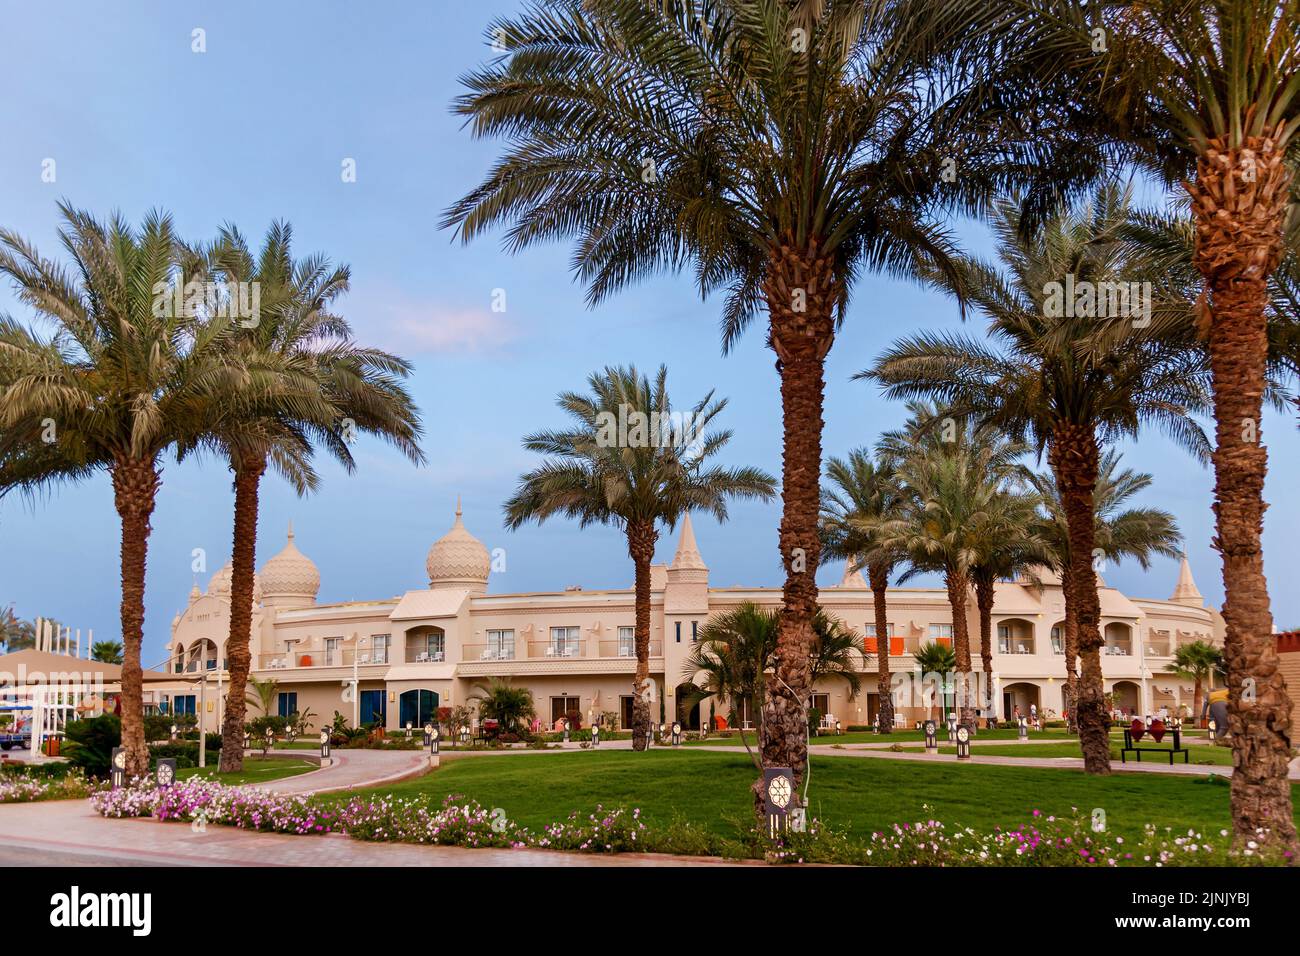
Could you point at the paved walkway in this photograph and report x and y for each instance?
(350, 769)
(68, 832)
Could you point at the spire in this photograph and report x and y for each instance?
(458, 523)
(291, 529)
(852, 578)
(1185, 591)
(688, 555)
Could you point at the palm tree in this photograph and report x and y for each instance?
(737, 648)
(779, 149)
(326, 390)
(15, 634)
(1206, 95)
(499, 700)
(107, 652)
(954, 478)
(865, 494)
(125, 377)
(1118, 533)
(631, 461)
(1006, 546)
(1198, 661)
(940, 659)
(1045, 377)
(264, 696)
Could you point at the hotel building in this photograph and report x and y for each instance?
(396, 660)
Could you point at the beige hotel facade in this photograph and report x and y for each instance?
(398, 659)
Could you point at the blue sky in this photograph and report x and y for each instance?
(257, 128)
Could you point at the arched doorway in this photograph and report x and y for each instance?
(690, 718)
(1022, 695)
(203, 656)
(1126, 697)
(417, 707)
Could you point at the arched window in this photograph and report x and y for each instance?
(417, 707)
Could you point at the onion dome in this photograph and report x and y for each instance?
(219, 585)
(290, 577)
(458, 559)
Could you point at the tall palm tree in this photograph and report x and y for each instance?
(326, 390)
(1118, 533)
(262, 695)
(109, 652)
(1198, 662)
(863, 495)
(1206, 95)
(629, 460)
(779, 149)
(737, 648)
(1006, 546)
(1040, 375)
(954, 478)
(125, 376)
(15, 634)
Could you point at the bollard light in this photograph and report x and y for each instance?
(931, 730)
(166, 772)
(324, 744)
(117, 774)
(1024, 729)
(839, 728)
(952, 726)
(963, 742)
(778, 795)
(677, 733)
(408, 728)
(433, 740)
(595, 735)
(248, 739)
(174, 730)
(428, 735)
(564, 723)
(464, 734)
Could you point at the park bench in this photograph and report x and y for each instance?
(1134, 733)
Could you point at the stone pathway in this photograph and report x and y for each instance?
(350, 769)
(68, 832)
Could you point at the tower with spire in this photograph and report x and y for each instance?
(687, 589)
(1185, 591)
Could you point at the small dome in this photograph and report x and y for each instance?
(458, 559)
(219, 585)
(290, 574)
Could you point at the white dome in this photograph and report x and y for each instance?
(458, 559)
(291, 574)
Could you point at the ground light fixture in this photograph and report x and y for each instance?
(174, 730)
(324, 744)
(1024, 728)
(248, 739)
(931, 731)
(963, 742)
(564, 725)
(464, 734)
(408, 728)
(595, 735)
(778, 794)
(433, 739)
(428, 734)
(952, 727)
(117, 765)
(166, 773)
(677, 733)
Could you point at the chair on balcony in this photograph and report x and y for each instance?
(437, 657)
(487, 654)
(422, 657)
(363, 658)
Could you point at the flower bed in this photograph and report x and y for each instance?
(1041, 841)
(23, 788)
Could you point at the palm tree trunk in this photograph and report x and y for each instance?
(248, 476)
(1073, 456)
(800, 297)
(641, 538)
(1071, 640)
(1239, 203)
(984, 593)
(135, 488)
(879, 576)
(958, 585)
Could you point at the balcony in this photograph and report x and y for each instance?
(340, 657)
(488, 652)
(1158, 644)
(557, 649)
(424, 655)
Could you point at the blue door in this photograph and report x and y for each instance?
(374, 707)
(418, 707)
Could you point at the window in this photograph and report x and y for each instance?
(625, 710)
(165, 704)
(565, 706)
(1004, 639)
(501, 645)
(183, 704)
(379, 648)
(374, 707)
(564, 641)
(288, 704)
(333, 648)
(435, 645)
(1058, 640)
(871, 630)
(941, 633)
(822, 703)
(695, 631)
(627, 643)
(678, 625)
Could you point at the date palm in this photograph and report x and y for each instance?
(954, 478)
(778, 149)
(1198, 662)
(124, 377)
(939, 659)
(324, 390)
(1205, 94)
(110, 652)
(1045, 377)
(863, 494)
(1119, 533)
(631, 461)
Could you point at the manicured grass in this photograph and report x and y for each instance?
(1218, 756)
(256, 770)
(867, 737)
(711, 789)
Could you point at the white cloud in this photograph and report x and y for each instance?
(411, 326)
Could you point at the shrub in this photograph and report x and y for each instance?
(89, 743)
(72, 784)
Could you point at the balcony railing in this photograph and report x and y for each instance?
(1016, 645)
(341, 657)
(1117, 649)
(488, 652)
(424, 655)
(557, 648)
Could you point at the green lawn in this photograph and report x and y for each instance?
(712, 790)
(256, 770)
(1203, 754)
(898, 736)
